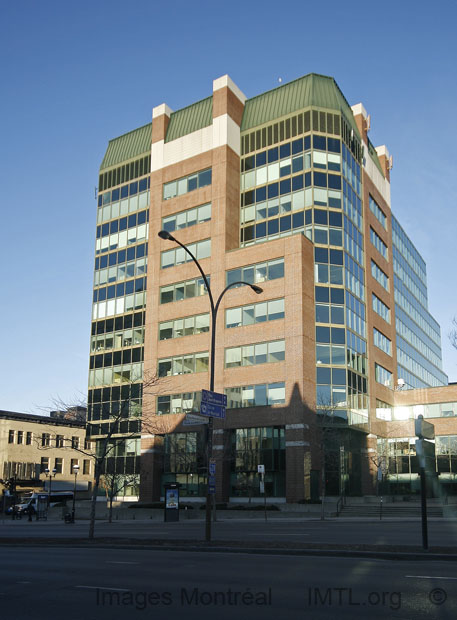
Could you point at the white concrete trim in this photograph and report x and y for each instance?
(382, 150)
(371, 436)
(224, 81)
(358, 108)
(160, 110)
(294, 426)
(149, 451)
(148, 436)
(226, 132)
(380, 182)
(157, 155)
(223, 131)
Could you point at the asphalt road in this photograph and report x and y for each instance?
(91, 584)
(441, 533)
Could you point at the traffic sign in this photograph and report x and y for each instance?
(425, 451)
(213, 404)
(212, 467)
(214, 398)
(212, 485)
(192, 420)
(423, 429)
(260, 469)
(212, 411)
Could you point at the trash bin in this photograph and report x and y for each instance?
(171, 501)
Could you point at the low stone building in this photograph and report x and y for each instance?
(30, 444)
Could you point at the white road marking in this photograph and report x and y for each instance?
(103, 588)
(428, 577)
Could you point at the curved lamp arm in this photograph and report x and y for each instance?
(164, 234)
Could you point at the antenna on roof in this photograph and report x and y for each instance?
(391, 162)
(368, 122)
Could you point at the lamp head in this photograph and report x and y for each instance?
(164, 234)
(46, 471)
(54, 471)
(256, 289)
(76, 468)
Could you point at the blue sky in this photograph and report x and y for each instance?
(75, 75)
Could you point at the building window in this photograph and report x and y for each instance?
(28, 438)
(253, 274)
(255, 313)
(178, 256)
(20, 437)
(187, 184)
(379, 275)
(59, 441)
(378, 212)
(45, 440)
(58, 465)
(183, 364)
(256, 395)
(187, 218)
(87, 444)
(382, 342)
(183, 290)
(253, 354)
(383, 376)
(379, 244)
(86, 466)
(187, 326)
(73, 462)
(178, 403)
(380, 308)
(11, 437)
(75, 443)
(44, 464)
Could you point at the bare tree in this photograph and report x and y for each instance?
(329, 440)
(113, 484)
(453, 333)
(107, 445)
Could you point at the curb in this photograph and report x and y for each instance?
(344, 553)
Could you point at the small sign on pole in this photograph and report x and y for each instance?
(213, 404)
(193, 420)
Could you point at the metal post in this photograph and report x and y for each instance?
(75, 469)
(164, 234)
(424, 508)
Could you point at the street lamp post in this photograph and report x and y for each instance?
(164, 234)
(75, 471)
(50, 473)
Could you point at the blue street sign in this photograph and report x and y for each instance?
(212, 485)
(212, 467)
(214, 398)
(212, 411)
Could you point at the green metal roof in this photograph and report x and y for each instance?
(189, 119)
(130, 145)
(310, 90)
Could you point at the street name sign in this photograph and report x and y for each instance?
(213, 404)
(192, 420)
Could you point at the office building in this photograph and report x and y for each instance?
(285, 191)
